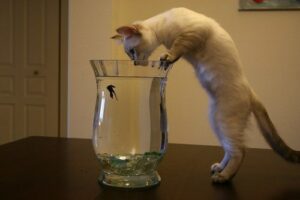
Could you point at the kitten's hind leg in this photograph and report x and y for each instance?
(217, 167)
(229, 127)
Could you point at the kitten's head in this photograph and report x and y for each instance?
(138, 41)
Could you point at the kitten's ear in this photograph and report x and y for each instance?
(128, 31)
(118, 38)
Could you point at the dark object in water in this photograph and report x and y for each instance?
(112, 92)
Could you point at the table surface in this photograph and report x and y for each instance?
(59, 168)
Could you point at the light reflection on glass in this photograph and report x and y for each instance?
(102, 106)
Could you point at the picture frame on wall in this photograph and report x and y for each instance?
(253, 5)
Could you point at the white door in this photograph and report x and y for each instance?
(29, 68)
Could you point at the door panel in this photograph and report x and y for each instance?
(6, 122)
(6, 31)
(29, 68)
(35, 120)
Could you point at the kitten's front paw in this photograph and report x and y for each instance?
(166, 60)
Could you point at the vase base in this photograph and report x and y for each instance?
(141, 181)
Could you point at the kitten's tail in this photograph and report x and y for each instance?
(269, 132)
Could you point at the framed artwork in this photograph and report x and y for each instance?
(246, 5)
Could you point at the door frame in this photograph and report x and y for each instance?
(63, 118)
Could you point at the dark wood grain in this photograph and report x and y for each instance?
(58, 168)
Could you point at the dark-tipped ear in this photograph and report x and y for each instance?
(128, 31)
(118, 38)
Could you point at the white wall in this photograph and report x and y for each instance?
(269, 45)
(89, 32)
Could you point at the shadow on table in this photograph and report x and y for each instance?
(287, 194)
(225, 191)
(220, 191)
(108, 193)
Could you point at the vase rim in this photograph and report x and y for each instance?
(129, 68)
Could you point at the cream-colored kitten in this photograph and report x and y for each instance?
(212, 53)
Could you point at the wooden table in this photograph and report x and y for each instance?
(57, 168)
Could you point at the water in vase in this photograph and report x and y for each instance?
(130, 128)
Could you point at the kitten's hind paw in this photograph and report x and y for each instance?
(219, 178)
(216, 174)
(216, 168)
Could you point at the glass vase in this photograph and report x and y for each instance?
(130, 132)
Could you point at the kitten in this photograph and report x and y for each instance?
(210, 50)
